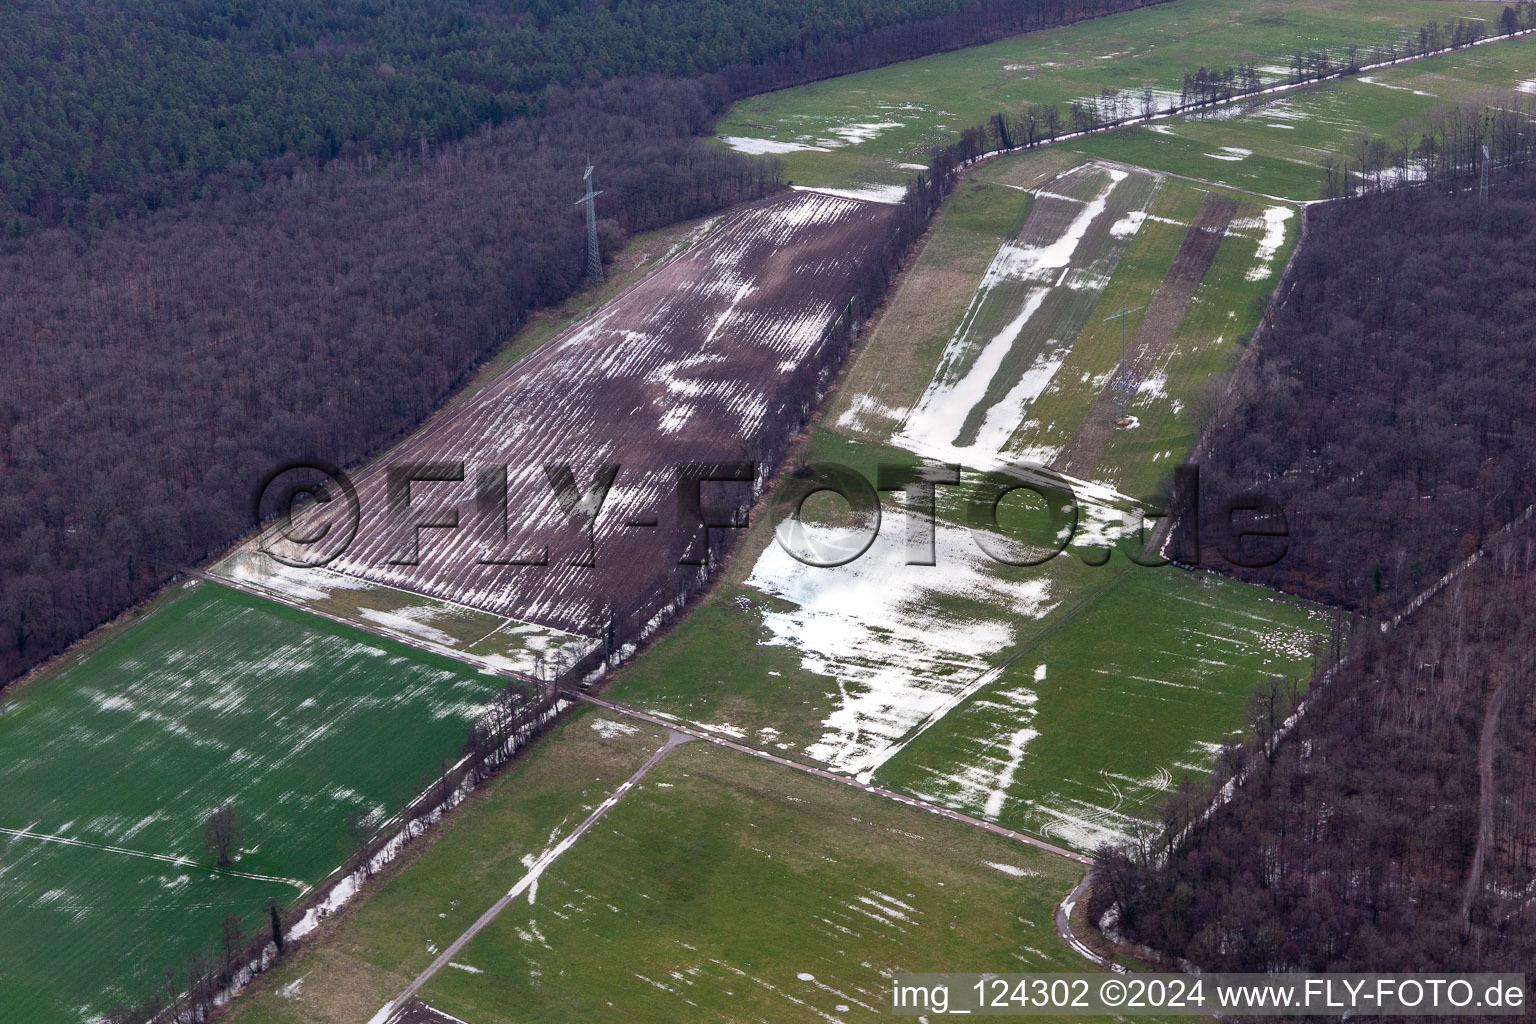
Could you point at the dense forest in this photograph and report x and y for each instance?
(158, 372)
(232, 234)
(1394, 827)
(105, 110)
(1386, 411)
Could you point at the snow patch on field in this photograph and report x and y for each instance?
(609, 729)
(1273, 220)
(1129, 224)
(1154, 385)
(1024, 275)
(889, 635)
(1082, 825)
(854, 134)
(760, 147)
(412, 622)
(1009, 869)
(994, 806)
(934, 426)
(303, 585)
(824, 136)
(868, 193)
(982, 783)
(1372, 80)
(861, 406)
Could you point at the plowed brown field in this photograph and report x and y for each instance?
(717, 357)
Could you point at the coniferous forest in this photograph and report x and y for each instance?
(127, 108)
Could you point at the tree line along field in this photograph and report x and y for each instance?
(719, 887)
(1032, 718)
(1012, 693)
(1284, 146)
(114, 760)
(874, 126)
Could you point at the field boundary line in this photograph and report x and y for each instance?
(505, 623)
(350, 581)
(417, 643)
(163, 858)
(675, 738)
(831, 776)
(1195, 109)
(1110, 161)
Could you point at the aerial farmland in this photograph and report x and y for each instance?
(715, 358)
(792, 607)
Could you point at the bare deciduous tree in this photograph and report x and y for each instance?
(223, 834)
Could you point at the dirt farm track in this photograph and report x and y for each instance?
(718, 357)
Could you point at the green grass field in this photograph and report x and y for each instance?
(948, 298)
(370, 954)
(869, 125)
(1279, 147)
(499, 643)
(1096, 721)
(709, 892)
(1147, 671)
(214, 696)
(724, 888)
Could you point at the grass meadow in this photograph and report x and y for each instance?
(444, 883)
(869, 127)
(724, 888)
(1280, 146)
(215, 696)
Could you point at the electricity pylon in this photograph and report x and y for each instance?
(594, 257)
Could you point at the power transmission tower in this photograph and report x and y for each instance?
(594, 257)
(1122, 384)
